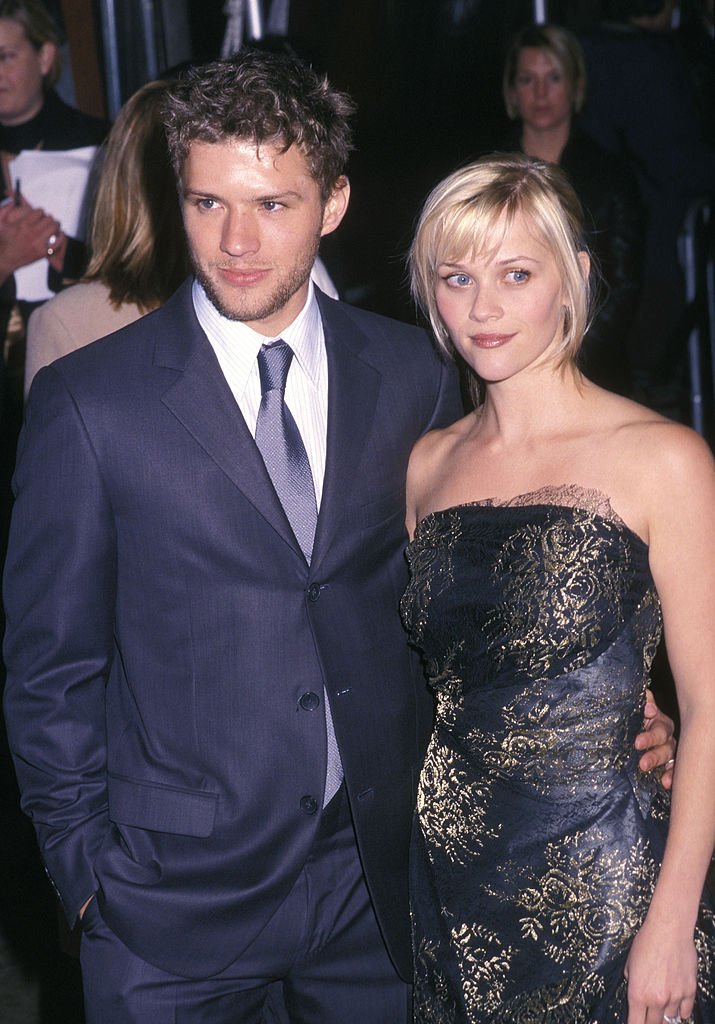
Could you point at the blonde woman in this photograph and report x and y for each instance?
(554, 529)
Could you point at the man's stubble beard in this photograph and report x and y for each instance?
(267, 305)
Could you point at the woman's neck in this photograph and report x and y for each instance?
(542, 401)
(545, 145)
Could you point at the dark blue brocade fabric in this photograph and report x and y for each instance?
(536, 841)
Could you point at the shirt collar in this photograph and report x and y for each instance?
(238, 345)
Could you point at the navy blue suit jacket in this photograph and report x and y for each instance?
(162, 626)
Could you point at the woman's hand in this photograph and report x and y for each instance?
(661, 972)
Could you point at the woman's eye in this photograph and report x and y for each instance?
(458, 280)
(518, 276)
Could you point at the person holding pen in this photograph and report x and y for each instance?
(32, 116)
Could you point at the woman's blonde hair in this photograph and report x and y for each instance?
(135, 235)
(558, 43)
(470, 211)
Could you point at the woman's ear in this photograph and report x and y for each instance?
(47, 57)
(584, 261)
(579, 95)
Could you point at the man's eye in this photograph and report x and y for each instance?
(271, 204)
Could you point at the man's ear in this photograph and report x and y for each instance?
(336, 205)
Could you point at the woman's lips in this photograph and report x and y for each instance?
(490, 340)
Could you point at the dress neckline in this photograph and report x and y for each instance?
(591, 500)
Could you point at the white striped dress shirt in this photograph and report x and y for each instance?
(237, 346)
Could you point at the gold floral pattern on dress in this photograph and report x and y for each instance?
(537, 840)
(590, 895)
(447, 685)
(570, 1001)
(453, 805)
(558, 573)
(430, 562)
(704, 931)
(485, 963)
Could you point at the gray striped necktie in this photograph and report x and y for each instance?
(286, 460)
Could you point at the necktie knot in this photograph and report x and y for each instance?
(273, 365)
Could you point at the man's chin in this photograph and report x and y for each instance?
(247, 308)
(232, 309)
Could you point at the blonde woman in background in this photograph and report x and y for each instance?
(544, 89)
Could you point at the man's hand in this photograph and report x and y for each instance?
(26, 234)
(657, 741)
(84, 906)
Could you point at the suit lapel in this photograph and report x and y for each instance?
(203, 403)
(353, 387)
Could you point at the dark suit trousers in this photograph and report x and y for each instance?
(320, 958)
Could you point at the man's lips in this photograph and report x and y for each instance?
(243, 277)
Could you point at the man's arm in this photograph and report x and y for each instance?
(59, 593)
(449, 406)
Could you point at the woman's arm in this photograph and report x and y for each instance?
(661, 967)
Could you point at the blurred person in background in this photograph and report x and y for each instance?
(641, 105)
(544, 87)
(32, 116)
(695, 39)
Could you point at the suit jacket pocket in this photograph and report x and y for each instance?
(161, 808)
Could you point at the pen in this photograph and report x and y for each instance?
(18, 194)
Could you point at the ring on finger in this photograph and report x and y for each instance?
(666, 766)
(672, 1020)
(51, 243)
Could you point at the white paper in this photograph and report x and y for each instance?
(56, 182)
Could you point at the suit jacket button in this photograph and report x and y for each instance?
(313, 591)
(309, 701)
(308, 804)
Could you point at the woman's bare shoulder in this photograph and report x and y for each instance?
(431, 465)
(634, 429)
(437, 443)
(649, 437)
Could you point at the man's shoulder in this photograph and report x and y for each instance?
(375, 331)
(131, 347)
